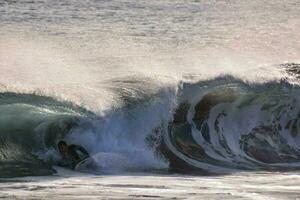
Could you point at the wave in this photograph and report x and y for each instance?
(217, 125)
(226, 124)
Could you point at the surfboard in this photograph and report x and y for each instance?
(87, 165)
(103, 163)
(81, 163)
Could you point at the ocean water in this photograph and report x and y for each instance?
(199, 96)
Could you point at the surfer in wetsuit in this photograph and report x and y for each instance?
(72, 154)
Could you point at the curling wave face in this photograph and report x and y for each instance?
(30, 124)
(225, 124)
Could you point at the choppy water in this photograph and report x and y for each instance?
(154, 186)
(187, 86)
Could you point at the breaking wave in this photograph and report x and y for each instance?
(226, 124)
(216, 125)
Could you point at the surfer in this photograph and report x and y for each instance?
(72, 154)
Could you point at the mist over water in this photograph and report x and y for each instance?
(109, 75)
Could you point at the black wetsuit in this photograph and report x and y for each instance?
(76, 154)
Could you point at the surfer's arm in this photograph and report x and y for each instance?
(83, 151)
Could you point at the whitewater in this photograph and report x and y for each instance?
(173, 99)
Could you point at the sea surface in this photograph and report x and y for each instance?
(173, 99)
